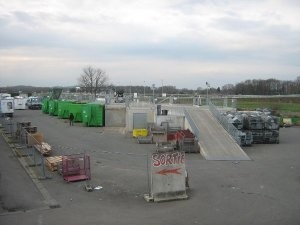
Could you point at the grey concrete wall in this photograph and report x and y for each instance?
(173, 120)
(115, 116)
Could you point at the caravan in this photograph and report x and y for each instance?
(20, 102)
(6, 105)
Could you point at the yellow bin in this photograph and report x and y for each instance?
(140, 133)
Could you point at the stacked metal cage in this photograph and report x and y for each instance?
(255, 126)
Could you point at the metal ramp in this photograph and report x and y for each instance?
(215, 143)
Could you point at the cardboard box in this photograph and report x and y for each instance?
(33, 139)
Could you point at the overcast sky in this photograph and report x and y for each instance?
(178, 42)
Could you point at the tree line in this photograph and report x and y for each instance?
(95, 80)
(263, 87)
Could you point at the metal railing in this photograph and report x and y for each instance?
(192, 123)
(232, 130)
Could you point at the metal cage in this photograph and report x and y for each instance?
(76, 167)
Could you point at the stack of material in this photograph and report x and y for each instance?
(255, 126)
(44, 148)
(159, 134)
(246, 137)
(186, 141)
(53, 162)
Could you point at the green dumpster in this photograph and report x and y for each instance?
(53, 110)
(93, 115)
(63, 109)
(45, 106)
(76, 109)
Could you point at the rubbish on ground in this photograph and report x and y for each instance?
(98, 187)
(88, 188)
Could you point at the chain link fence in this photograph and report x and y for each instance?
(17, 135)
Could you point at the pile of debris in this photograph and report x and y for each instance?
(258, 126)
(178, 138)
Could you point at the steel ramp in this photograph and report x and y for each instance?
(215, 142)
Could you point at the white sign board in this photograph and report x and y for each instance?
(168, 176)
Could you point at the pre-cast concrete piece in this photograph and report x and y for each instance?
(215, 143)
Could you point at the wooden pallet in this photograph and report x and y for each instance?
(53, 162)
(44, 148)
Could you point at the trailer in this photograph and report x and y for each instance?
(20, 102)
(7, 107)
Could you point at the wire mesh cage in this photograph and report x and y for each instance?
(76, 167)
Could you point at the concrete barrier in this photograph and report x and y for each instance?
(167, 176)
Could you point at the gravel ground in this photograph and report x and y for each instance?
(265, 190)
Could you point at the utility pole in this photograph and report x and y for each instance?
(153, 87)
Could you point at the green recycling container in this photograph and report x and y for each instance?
(93, 115)
(76, 109)
(63, 109)
(53, 110)
(45, 106)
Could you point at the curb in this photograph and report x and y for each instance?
(48, 200)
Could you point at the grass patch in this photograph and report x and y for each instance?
(283, 107)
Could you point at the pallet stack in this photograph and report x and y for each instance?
(53, 162)
(256, 127)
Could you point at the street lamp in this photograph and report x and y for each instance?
(162, 88)
(144, 89)
(207, 86)
(153, 88)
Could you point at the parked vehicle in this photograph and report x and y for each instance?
(34, 103)
(20, 102)
(7, 106)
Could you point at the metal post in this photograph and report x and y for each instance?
(153, 87)
(207, 86)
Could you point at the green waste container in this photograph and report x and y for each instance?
(45, 106)
(76, 109)
(53, 109)
(63, 109)
(93, 115)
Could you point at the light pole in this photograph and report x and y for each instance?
(153, 87)
(162, 88)
(207, 86)
(144, 89)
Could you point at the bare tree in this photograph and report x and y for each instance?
(92, 79)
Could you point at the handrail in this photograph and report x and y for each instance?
(192, 123)
(223, 120)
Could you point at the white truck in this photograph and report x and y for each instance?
(34, 102)
(6, 105)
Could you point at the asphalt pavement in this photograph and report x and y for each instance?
(265, 190)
